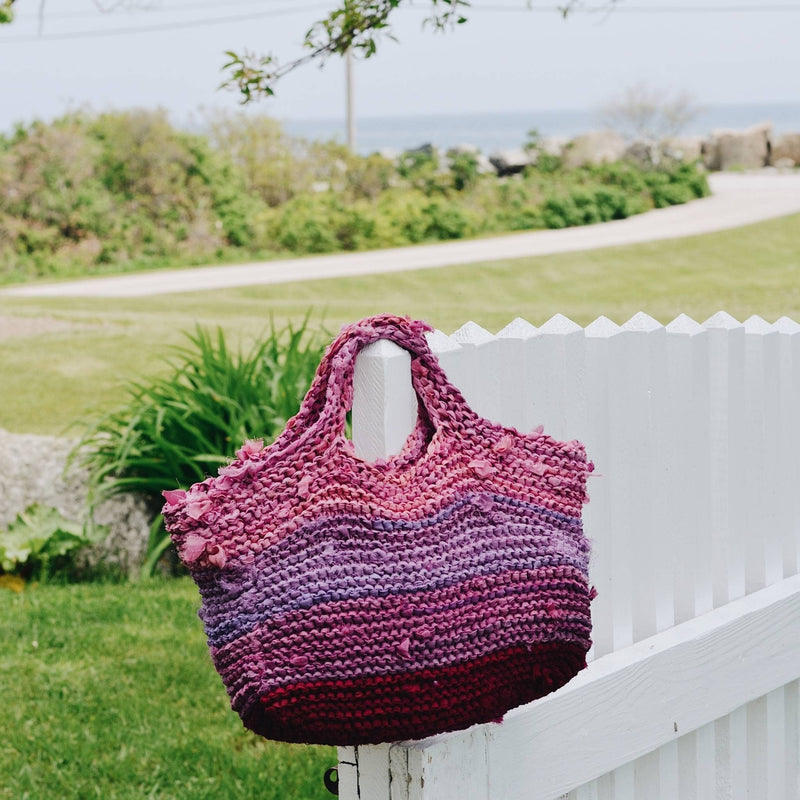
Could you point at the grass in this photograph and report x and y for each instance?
(108, 692)
(50, 380)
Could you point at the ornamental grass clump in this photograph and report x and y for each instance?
(176, 429)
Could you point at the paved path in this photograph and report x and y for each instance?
(737, 199)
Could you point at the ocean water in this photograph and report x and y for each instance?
(494, 131)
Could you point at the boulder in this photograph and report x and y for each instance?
(747, 149)
(683, 148)
(596, 147)
(553, 145)
(511, 161)
(33, 471)
(646, 153)
(786, 148)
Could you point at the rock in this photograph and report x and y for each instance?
(32, 471)
(683, 148)
(553, 145)
(784, 163)
(643, 152)
(426, 149)
(786, 147)
(511, 161)
(596, 147)
(747, 149)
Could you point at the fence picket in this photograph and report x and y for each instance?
(687, 452)
(652, 543)
(688, 779)
(792, 716)
(726, 402)
(627, 484)
(757, 782)
(484, 382)
(452, 357)
(763, 558)
(737, 754)
(775, 744)
(598, 513)
(515, 337)
(625, 782)
(706, 762)
(669, 771)
(789, 348)
(647, 774)
(558, 374)
(777, 490)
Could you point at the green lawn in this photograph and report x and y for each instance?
(108, 692)
(50, 380)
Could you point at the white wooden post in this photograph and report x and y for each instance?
(384, 413)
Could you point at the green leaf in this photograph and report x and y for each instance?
(39, 531)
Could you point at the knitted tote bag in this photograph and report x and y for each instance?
(350, 602)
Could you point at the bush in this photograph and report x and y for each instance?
(124, 190)
(464, 170)
(446, 221)
(40, 544)
(676, 185)
(178, 429)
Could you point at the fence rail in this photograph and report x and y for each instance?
(692, 690)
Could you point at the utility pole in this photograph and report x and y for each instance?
(351, 119)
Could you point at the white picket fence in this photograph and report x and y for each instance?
(692, 690)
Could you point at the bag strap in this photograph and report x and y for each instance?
(331, 393)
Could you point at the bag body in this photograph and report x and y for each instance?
(350, 602)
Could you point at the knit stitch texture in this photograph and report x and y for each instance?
(350, 602)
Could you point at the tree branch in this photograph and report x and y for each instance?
(6, 12)
(357, 26)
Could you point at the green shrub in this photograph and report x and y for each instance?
(355, 227)
(446, 221)
(125, 190)
(178, 429)
(464, 170)
(303, 225)
(368, 177)
(40, 544)
(420, 169)
(575, 207)
(676, 184)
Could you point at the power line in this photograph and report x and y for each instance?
(163, 26)
(522, 8)
(627, 9)
(159, 9)
(770, 9)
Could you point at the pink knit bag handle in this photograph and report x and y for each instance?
(331, 393)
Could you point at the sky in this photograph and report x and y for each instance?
(169, 53)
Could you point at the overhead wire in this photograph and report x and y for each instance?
(162, 26)
(521, 7)
(148, 9)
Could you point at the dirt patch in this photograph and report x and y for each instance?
(19, 327)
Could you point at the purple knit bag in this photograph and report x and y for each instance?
(350, 602)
